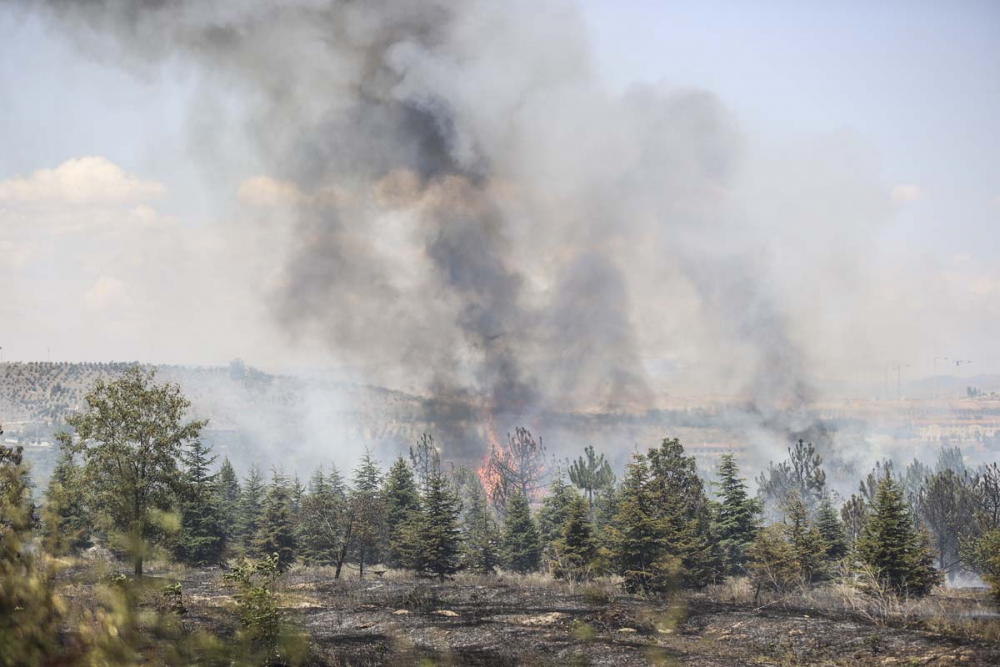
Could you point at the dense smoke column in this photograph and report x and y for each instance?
(473, 210)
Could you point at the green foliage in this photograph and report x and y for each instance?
(402, 507)
(226, 490)
(321, 520)
(366, 531)
(591, 473)
(683, 513)
(250, 509)
(201, 539)
(805, 540)
(948, 508)
(575, 555)
(29, 609)
(831, 530)
(131, 436)
(773, 566)
(735, 523)
(276, 532)
(983, 556)
(66, 520)
(854, 514)
(553, 513)
(893, 547)
(481, 536)
(522, 549)
(257, 603)
(426, 461)
(635, 534)
(801, 475)
(435, 529)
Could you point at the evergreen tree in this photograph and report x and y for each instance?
(426, 461)
(481, 536)
(983, 557)
(635, 536)
(297, 491)
(66, 520)
(521, 543)
(402, 506)
(276, 531)
(251, 507)
(891, 544)
(682, 513)
(440, 535)
(948, 508)
(773, 565)
(323, 519)
(591, 473)
(831, 530)
(227, 493)
(736, 522)
(802, 475)
(553, 514)
(854, 514)
(365, 531)
(574, 556)
(202, 538)
(805, 540)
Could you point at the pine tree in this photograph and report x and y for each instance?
(553, 513)
(682, 513)
(297, 491)
(202, 538)
(441, 537)
(736, 523)
(521, 543)
(481, 537)
(635, 536)
(831, 530)
(227, 493)
(366, 520)
(805, 540)
(321, 520)
(402, 505)
(276, 532)
(854, 514)
(591, 473)
(575, 554)
(891, 544)
(66, 520)
(251, 507)
(426, 461)
(773, 565)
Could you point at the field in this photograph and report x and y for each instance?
(395, 619)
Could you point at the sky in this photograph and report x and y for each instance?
(133, 226)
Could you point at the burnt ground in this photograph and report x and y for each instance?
(397, 620)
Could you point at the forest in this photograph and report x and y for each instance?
(94, 571)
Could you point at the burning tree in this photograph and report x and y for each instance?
(518, 467)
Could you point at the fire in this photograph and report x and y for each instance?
(488, 476)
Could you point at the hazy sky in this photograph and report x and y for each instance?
(131, 226)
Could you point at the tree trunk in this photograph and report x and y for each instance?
(138, 567)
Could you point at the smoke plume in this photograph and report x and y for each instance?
(475, 214)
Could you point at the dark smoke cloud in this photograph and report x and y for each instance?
(474, 212)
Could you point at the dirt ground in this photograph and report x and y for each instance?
(395, 620)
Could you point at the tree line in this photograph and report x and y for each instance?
(137, 479)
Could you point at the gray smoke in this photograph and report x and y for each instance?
(475, 213)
